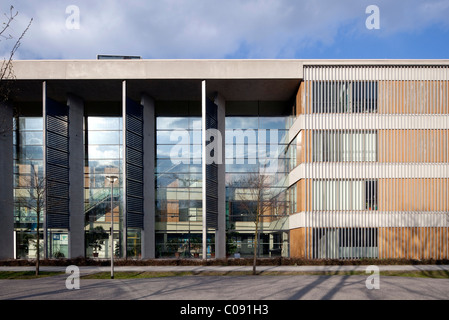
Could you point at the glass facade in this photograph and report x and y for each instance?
(103, 158)
(178, 187)
(254, 144)
(28, 175)
(257, 146)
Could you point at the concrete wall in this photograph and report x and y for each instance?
(76, 176)
(220, 236)
(6, 185)
(149, 154)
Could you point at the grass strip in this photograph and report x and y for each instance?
(26, 275)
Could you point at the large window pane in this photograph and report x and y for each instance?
(104, 151)
(172, 123)
(178, 185)
(105, 137)
(103, 123)
(242, 122)
(31, 138)
(273, 123)
(31, 123)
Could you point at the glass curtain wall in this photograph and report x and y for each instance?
(178, 185)
(103, 158)
(28, 175)
(257, 145)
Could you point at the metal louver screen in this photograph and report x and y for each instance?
(134, 165)
(57, 165)
(211, 179)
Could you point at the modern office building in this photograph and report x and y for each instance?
(354, 155)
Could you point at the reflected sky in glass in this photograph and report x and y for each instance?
(177, 123)
(31, 123)
(104, 123)
(105, 137)
(104, 151)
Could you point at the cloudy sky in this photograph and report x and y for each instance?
(230, 29)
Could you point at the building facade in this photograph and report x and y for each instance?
(354, 155)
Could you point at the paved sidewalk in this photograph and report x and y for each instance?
(94, 269)
(230, 287)
(227, 288)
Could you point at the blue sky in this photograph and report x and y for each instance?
(232, 29)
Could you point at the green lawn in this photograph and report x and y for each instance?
(14, 275)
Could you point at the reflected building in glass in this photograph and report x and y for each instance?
(354, 154)
(178, 178)
(103, 158)
(28, 170)
(254, 143)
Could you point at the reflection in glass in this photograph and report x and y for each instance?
(178, 187)
(28, 166)
(31, 123)
(103, 158)
(104, 123)
(32, 138)
(255, 145)
(105, 137)
(104, 151)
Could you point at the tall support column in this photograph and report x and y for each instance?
(203, 165)
(6, 186)
(220, 234)
(44, 161)
(124, 175)
(76, 177)
(149, 151)
(211, 160)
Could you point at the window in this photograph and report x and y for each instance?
(344, 97)
(336, 195)
(344, 146)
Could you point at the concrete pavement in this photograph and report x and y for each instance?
(228, 288)
(289, 287)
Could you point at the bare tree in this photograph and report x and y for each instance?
(257, 200)
(31, 194)
(7, 75)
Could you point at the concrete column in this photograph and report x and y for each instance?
(203, 167)
(44, 161)
(149, 153)
(220, 233)
(6, 186)
(76, 177)
(124, 186)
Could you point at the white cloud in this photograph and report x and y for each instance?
(209, 28)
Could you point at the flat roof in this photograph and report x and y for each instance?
(184, 69)
(235, 79)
